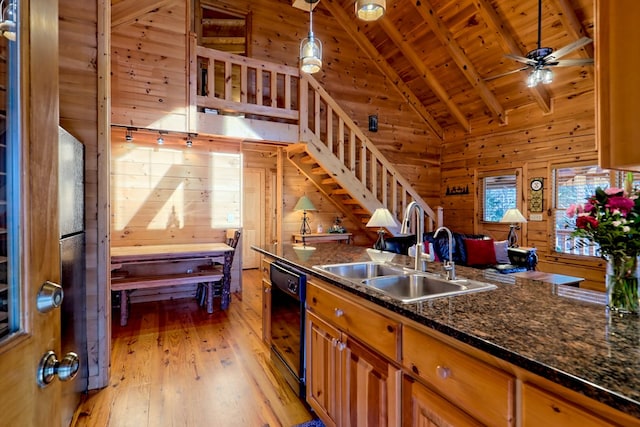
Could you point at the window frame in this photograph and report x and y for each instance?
(480, 185)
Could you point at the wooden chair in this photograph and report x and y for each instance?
(220, 288)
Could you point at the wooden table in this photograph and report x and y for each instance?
(168, 265)
(554, 279)
(322, 237)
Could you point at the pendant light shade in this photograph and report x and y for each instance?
(311, 54)
(311, 48)
(370, 10)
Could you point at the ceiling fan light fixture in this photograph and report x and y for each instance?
(547, 76)
(370, 10)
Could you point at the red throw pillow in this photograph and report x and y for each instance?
(480, 252)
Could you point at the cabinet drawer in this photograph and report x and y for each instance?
(374, 329)
(481, 390)
(542, 408)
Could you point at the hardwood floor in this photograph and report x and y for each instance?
(176, 365)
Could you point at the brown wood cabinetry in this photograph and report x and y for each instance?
(348, 383)
(266, 301)
(423, 407)
(481, 390)
(540, 407)
(617, 85)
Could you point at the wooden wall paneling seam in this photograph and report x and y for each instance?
(465, 66)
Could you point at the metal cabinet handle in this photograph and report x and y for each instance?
(66, 369)
(443, 372)
(338, 312)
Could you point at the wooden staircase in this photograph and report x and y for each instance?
(325, 144)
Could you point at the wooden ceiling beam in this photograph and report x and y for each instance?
(425, 8)
(510, 45)
(423, 70)
(575, 29)
(336, 10)
(128, 11)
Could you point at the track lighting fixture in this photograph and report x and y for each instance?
(160, 139)
(129, 136)
(189, 143)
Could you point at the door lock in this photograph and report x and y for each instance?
(49, 297)
(66, 369)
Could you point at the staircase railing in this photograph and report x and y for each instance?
(233, 84)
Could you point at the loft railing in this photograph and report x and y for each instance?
(233, 84)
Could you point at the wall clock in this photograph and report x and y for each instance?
(535, 199)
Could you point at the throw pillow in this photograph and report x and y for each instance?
(502, 252)
(480, 252)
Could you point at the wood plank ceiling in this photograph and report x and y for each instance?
(444, 55)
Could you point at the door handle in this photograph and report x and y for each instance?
(66, 369)
(49, 297)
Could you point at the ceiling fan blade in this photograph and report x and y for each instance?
(554, 56)
(505, 74)
(521, 59)
(572, 62)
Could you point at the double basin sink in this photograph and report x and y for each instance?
(402, 284)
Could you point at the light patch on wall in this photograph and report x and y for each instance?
(148, 189)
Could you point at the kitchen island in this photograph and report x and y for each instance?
(562, 334)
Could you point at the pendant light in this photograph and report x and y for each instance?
(311, 48)
(370, 10)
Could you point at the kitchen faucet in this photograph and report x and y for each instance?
(449, 266)
(406, 224)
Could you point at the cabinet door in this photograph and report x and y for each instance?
(617, 85)
(324, 369)
(372, 388)
(266, 312)
(423, 407)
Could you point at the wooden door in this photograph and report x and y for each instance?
(423, 407)
(372, 388)
(324, 369)
(253, 224)
(33, 137)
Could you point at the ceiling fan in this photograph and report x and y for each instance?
(539, 60)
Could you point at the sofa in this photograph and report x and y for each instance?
(472, 250)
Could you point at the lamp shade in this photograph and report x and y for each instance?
(304, 204)
(382, 218)
(513, 216)
(370, 10)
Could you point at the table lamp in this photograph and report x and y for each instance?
(304, 205)
(513, 217)
(381, 218)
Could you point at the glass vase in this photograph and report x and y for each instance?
(622, 284)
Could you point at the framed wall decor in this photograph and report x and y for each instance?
(536, 188)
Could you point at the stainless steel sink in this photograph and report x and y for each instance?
(402, 284)
(418, 287)
(361, 270)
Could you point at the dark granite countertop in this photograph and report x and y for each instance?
(561, 333)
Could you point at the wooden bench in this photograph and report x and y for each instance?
(127, 284)
(168, 265)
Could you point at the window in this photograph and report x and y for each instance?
(574, 184)
(499, 193)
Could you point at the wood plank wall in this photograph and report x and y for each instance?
(531, 142)
(163, 195)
